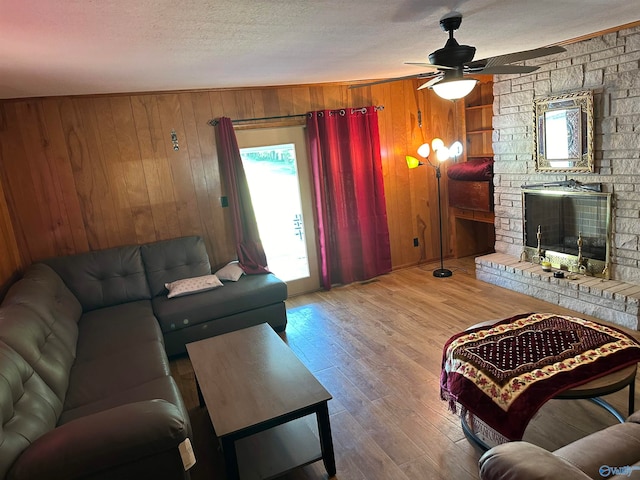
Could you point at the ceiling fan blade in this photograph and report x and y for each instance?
(498, 69)
(430, 65)
(431, 82)
(387, 80)
(475, 66)
(516, 57)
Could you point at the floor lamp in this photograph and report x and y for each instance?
(443, 153)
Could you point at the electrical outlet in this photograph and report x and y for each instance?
(415, 242)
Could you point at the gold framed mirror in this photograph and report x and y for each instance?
(564, 133)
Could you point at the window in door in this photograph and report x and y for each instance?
(275, 164)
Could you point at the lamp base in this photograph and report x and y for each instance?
(442, 272)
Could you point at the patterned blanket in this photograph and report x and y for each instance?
(502, 374)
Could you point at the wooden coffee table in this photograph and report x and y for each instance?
(257, 393)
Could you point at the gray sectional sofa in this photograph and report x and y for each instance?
(85, 385)
(139, 273)
(84, 395)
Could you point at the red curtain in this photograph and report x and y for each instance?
(344, 151)
(248, 245)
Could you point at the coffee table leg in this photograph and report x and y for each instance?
(200, 397)
(230, 458)
(326, 442)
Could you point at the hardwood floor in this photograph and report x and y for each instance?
(377, 346)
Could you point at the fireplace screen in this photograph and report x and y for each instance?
(571, 229)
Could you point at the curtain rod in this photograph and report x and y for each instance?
(214, 121)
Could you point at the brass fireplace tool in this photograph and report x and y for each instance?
(538, 257)
(579, 266)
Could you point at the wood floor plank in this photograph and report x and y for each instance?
(377, 347)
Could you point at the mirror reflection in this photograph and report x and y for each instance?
(564, 133)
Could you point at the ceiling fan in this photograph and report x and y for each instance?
(454, 61)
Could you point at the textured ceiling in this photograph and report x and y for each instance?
(67, 47)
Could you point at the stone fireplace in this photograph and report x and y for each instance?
(607, 65)
(554, 222)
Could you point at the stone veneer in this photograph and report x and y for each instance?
(609, 66)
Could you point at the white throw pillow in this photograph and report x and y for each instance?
(187, 286)
(232, 271)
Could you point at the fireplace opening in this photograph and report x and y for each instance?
(570, 228)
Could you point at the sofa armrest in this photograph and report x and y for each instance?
(634, 418)
(103, 440)
(525, 461)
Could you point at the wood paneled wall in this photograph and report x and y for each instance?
(10, 262)
(92, 172)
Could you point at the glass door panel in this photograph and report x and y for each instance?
(275, 164)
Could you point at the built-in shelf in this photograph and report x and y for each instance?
(478, 121)
(474, 232)
(478, 107)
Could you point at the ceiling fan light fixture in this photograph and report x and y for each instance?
(454, 89)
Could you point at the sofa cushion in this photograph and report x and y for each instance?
(101, 332)
(42, 290)
(37, 342)
(38, 319)
(174, 259)
(525, 461)
(104, 278)
(28, 407)
(132, 441)
(604, 448)
(121, 369)
(164, 388)
(248, 293)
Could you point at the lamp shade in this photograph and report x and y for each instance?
(442, 154)
(437, 144)
(424, 150)
(454, 89)
(455, 150)
(412, 162)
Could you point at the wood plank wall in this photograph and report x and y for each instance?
(10, 262)
(92, 172)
